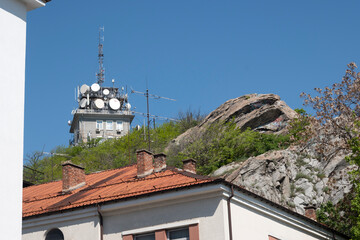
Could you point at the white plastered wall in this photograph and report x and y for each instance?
(255, 219)
(12, 85)
(207, 212)
(79, 224)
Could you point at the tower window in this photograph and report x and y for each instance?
(109, 125)
(99, 124)
(119, 126)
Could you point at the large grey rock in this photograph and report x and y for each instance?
(291, 178)
(261, 112)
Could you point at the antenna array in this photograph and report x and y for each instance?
(147, 95)
(101, 74)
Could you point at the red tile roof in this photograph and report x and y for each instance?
(102, 187)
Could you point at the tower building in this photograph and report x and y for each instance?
(103, 112)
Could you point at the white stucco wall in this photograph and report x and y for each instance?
(80, 224)
(254, 219)
(12, 85)
(207, 211)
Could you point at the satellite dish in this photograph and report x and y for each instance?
(128, 106)
(82, 103)
(84, 89)
(95, 87)
(99, 103)
(106, 91)
(69, 122)
(114, 104)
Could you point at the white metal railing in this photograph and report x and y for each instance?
(100, 111)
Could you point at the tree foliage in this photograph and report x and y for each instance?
(224, 143)
(335, 128)
(221, 144)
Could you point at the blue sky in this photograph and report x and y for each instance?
(201, 53)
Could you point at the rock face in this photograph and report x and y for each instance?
(292, 179)
(261, 112)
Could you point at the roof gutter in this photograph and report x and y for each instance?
(101, 221)
(229, 212)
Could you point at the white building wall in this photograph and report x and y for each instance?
(12, 84)
(253, 219)
(79, 224)
(206, 212)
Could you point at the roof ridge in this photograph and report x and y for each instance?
(48, 196)
(101, 171)
(108, 170)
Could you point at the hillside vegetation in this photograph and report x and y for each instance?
(221, 144)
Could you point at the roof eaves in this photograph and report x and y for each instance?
(144, 195)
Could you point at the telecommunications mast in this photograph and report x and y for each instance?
(101, 74)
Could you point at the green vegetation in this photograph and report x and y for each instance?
(339, 216)
(222, 143)
(336, 127)
(303, 175)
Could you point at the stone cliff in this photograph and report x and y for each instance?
(292, 177)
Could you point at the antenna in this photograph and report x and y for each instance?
(101, 74)
(147, 95)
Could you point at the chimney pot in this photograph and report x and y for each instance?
(189, 165)
(73, 176)
(159, 162)
(310, 212)
(144, 163)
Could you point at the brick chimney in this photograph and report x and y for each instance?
(73, 176)
(144, 163)
(310, 212)
(189, 165)
(159, 162)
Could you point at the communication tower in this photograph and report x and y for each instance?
(103, 112)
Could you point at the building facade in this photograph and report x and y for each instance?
(12, 77)
(149, 201)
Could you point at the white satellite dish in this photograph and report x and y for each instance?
(114, 104)
(128, 106)
(95, 87)
(82, 103)
(84, 89)
(99, 103)
(106, 91)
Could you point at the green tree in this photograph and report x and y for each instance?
(335, 128)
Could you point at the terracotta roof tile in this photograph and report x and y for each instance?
(102, 187)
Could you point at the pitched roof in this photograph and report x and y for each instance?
(102, 187)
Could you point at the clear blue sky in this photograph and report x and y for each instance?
(201, 53)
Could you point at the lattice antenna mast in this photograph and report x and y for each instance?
(101, 74)
(147, 95)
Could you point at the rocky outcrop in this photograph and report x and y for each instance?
(261, 112)
(291, 178)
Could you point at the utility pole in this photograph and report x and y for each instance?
(147, 95)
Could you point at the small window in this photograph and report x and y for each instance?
(99, 124)
(109, 125)
(119, 126)
(54, 234)
(179, 234)
(150, 236)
